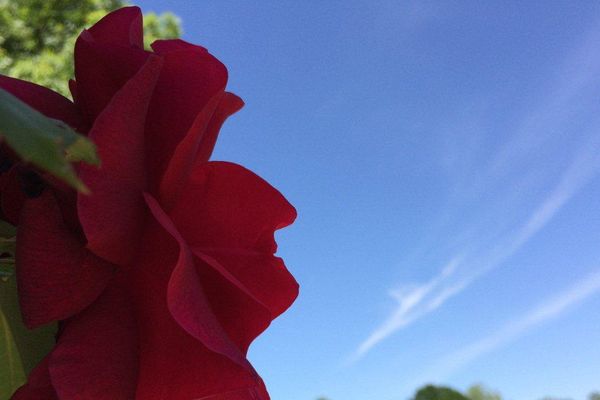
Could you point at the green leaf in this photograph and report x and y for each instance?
(7, 230)
(21, 349)
(84, 150)
(7, 250)
(7, 245)
(47, 143)
(7, 268)
(12, 374)
(31, 345)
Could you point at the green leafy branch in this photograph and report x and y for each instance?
(46, 143)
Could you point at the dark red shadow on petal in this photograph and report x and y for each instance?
(122, 27)
(242, 316)
(188, 80)
(38, 386)
(112, 217)
(96, 356)
(12, 196)
(263, 277)
(197, 146)
(100, 71)
(56, 276)
(174, 364)
(235, 208)
(175, 177)
(186, 298)
(229, 216)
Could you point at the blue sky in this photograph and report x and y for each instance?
(444, 158)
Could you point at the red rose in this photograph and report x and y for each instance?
(163, 276)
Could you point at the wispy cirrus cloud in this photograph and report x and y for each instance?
(410, 299)
(417, 301)
(552, 308)
(576, 77)
(574, 80)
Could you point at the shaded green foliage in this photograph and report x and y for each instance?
(479, 392)
(8, 235)
(12, 374)
(20, 348)
(555, 398)
(37, 36)
(165, 25)
(431, 392)
(48, 144)
(475, 392)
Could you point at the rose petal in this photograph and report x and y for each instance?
(197, 145)
(38, 385)
(66, 198)
(188, 80)
(174, 364)
(234, 207)
(100, 71)
(44, 100)
(163, 46)
(121, 27)
(187, 300)
(229, 215)
(182, 161)
(229, 105)
(56, 276)
(263, 277)
(239, 313)
(112, 216)
(96, 356)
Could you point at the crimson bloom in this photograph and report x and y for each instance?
(163, 276)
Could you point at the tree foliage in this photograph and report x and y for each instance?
(479, 392)
(555, 398)
(37, 36)
(431, 392)
(475, 392)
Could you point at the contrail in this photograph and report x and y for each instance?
(550, 309)
(422, 300)
(407, 311)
